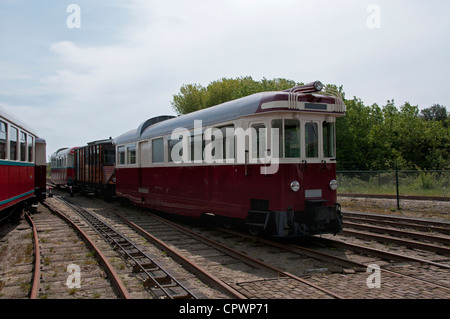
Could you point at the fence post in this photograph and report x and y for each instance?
(396, 185)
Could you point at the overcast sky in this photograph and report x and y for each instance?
(78, 80)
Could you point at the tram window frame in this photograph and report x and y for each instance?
(311, 145)
(285, 149)
(228, 143)
(121, 155)
(329, 139)
(3, 140)
(195, 141)
(131, 154)
(257, 148)
(30, 146)
(294, 152)
(158, 151)
(13, 143)
(170, 145)
(23, 146)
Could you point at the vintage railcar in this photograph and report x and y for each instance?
(63, 167)
(95, 168)
(22, 165)
(267, 160)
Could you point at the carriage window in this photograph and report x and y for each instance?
(197, 146)
(312, 139)
(121, 152)
(30, 148)
(158, 151)
(2, 140)
(228, 141)
(109, 155)
(13, 144)
(258, 140)
(289, 137)
(328, 139)
(224, 143)
(278, 124)
(23, 146)
(171, 144)
(292, 138)
(131, 154)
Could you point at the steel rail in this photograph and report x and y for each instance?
(197, 270)
(114, 277)
(397, 241)
(397, 221)
(141, 261)
(243, 257)
(37, 260)
(377, 252)
(420, 221)
(327, 257)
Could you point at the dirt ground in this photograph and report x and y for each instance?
(409, 208)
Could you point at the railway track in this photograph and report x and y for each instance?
(162, 284)
(424, 225)
(65, 246)
(430, 241)
(211, 261)
(54, 251)
(218, 260)
(328, 268)
(347, 278)
(338, 253)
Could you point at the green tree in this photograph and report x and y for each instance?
(193, 97)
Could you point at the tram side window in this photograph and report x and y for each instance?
(30, 148)
(278, 124)
(197, 146)
(224, 143)
(289, 137)
(13, 144)
(171, 144)
(131, 154)
(258, 140)
(2, 140)
(23, 146)
(121, 155)
(292, 138)
(329, 139)
(158, 151)
(311, 139)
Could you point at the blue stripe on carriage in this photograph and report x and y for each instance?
(16, 197)
(14, 163)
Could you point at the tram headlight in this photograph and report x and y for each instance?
(318, 85)
(295, 186)
(334, 184)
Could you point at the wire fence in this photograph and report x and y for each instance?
(399, 184)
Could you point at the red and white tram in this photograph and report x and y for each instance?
(267, 160)
(63, 167)
(22, 164)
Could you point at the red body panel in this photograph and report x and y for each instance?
(16, 183)
(223, 189)
(62, 176)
